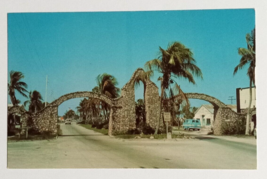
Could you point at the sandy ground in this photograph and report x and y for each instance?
(83, 148)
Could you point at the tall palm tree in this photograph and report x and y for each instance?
(177, 61)
(107, 85)
(140, 111)
(35, 101)
(248, 56)
(15, 84)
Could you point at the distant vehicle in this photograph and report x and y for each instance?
(191, 124)
(68, 121)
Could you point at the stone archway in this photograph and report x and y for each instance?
(221, 111)
(46, 119)
(125, 116)
(122, 114)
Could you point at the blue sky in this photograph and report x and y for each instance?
(73, 48)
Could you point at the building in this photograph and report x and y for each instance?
(242, 99)
(205, 113)
(242, 103)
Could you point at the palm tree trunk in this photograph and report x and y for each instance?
(160, 110)
(248, 112)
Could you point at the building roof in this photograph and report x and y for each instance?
(210, 107)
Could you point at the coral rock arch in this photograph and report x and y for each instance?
(221, 111)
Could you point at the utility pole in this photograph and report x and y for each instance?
(46, 92)
(231, 98)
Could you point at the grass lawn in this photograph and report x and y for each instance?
(89, 126)
(131, 136)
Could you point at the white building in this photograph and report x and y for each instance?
(205, 114)
(242, 99)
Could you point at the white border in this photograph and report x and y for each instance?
(7, 6)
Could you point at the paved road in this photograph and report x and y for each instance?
(82, 148)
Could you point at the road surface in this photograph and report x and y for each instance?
(83, 148)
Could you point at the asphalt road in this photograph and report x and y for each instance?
(83, 148)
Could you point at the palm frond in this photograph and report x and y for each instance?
(152, 65)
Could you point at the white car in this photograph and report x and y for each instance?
(67, 121)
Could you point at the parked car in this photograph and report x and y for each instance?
(193, 124)
(68, 121)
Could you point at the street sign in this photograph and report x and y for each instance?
(167, 116)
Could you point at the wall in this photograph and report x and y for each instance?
(244, 98)
(225, 114)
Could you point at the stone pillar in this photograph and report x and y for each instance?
(46, 120)
(128, 108)
(217, 121)
(110, 124)
(152, 104)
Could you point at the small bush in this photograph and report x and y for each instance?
(133, 131)
(148, 130)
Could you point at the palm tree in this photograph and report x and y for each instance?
(248, 56)
(140, 111)
(107, 85)
(16, 85)
(35, 101)
(176, 60)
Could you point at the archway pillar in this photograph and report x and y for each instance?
(224, 115)
(110, 124)
(152, 104)
(46, 121)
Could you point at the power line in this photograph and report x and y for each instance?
(231, 98)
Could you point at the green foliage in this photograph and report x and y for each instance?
(15, 84)
(140, 112)
(176, 61)
(35, 102)
(107, 85)
(188, 113)
(69, 114)
(88, 126)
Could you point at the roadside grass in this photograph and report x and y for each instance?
(89, 126)
(132, 136)
(31, 137)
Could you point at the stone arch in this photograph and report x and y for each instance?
(221, 111)
(46, 119)
(81, 94)
(151, 99)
